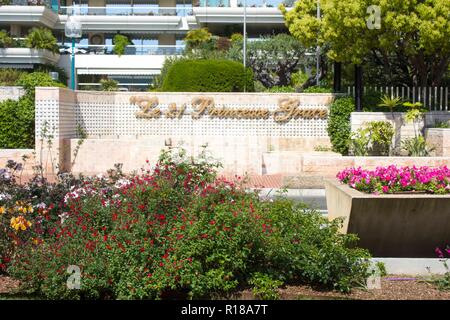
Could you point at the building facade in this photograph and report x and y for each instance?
(156, 29)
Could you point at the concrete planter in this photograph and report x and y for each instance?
(406, 225)
(439, 139)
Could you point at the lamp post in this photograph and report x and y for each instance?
(72, 30)
(318, 49)
(245, 45)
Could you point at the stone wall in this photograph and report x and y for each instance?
(439, 139)
(116, 135)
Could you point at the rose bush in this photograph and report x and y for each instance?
(179, 230)
(393, 179)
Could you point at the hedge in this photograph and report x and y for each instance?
(207, 76)
(17, 116)
(339, 126)
(17, 123)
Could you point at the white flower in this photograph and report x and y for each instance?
(63, 216)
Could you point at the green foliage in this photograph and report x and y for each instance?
(62, 75)
(285, 89)
(196, 37)
(120, 43)
(177, 230)
(42, 38)
(318, 89)
(109, 85)
(265, 287)
(416, 146)
(17, 123)
(374, 138)
(36, 79)
(339, 127)
(298, 78)
(236, 38)
(390, 103)
(17, 117)
(274, 58)
(413, 32)
(442, 124)
(207, 76)
(9, 77)
(359, 141)
(5, 40)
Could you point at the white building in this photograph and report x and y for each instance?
(155, 27)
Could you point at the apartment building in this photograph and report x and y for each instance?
(156, 29)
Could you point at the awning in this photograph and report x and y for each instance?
(119, 71)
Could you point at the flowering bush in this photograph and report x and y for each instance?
(393, 179)
(178, 230)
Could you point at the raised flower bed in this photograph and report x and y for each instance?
(396, 212)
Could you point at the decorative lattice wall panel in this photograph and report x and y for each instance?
(106, 120)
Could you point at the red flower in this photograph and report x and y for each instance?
(212, 222)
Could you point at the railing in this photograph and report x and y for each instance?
(129, 50)
(127, 11)
(432, 98)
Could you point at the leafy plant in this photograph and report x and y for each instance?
(17, 117)
(298, 78)
(207, 76)
(390, 102)
(265, 287)
(360, 141)
(417, 146)
(318, 89)
(9, 77)
(109, 85)
(442, 124)
(373, 138)
(120, 43)
(196, 37)
(339, 127)
(277, 89)
(5, 40)
(174, 230)
(42, 38)
(236, 38)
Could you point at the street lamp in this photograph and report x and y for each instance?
(72, 30)
(318, 49)
(244, 53)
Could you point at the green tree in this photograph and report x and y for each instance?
(414, 32)
(273, 59)
(196, 37)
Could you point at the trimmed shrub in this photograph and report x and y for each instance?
(17, 117)
(339, 127)
(17, 123)
(208, 76)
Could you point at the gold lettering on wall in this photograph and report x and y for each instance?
(148, 105)
(288, 109)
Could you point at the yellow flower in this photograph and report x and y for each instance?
(20, 223)
(2, 210)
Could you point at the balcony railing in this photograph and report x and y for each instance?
(127, 11)
(129, 50)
